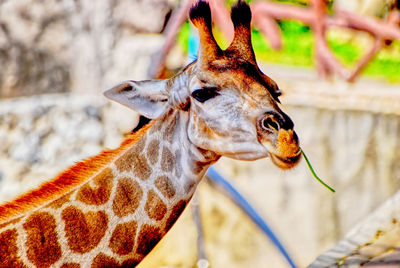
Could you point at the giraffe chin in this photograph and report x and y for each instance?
(285, 162)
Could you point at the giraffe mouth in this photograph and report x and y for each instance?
(285, 162)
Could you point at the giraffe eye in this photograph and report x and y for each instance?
(205, 94)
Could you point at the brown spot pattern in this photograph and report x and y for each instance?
(175, 213)
(178, 164)
(84, 230)
(123, 238)
(104, 261)
(9, 249)
(155, 128)
(9, 222)
(127, 197)
(170, 130)
(189, 186)
(133, 160)
(164, 184)
(147, 239)
(195, 166)
(42, 244)
(167, 160)
(71, 265)
(139, 146)
(153, 151)
(58, 203)
(141, 168)
(155, 207)
(100, 194)
(130, 263)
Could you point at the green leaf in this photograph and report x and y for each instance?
(314, 174)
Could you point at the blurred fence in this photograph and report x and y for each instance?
(265, 16)
(59, 46)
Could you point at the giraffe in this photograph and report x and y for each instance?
(112, 209)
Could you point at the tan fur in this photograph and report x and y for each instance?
(71, 265)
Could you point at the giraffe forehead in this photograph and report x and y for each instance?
(236, 65)
(242, 75)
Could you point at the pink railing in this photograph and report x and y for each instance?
(265, 16)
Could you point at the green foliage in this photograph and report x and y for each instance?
(183, 37)
(297, 45)
(298, 49)
(385, 66)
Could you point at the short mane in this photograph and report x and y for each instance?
(67, 180)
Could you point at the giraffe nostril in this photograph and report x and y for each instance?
(269, 123)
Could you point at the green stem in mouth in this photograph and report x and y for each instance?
(314, 174)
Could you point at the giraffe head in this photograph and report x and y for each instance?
(232, 106)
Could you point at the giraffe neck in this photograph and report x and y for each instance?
(116, 217)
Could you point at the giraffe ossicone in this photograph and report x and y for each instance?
(112, 209)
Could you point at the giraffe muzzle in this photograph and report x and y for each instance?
(287, 152)
(285, 162)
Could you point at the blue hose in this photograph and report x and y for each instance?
(241, 202)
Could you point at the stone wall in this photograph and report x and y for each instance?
(57, 46)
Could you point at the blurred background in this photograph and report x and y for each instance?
(337, 63)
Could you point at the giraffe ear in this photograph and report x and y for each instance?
(149, 98)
